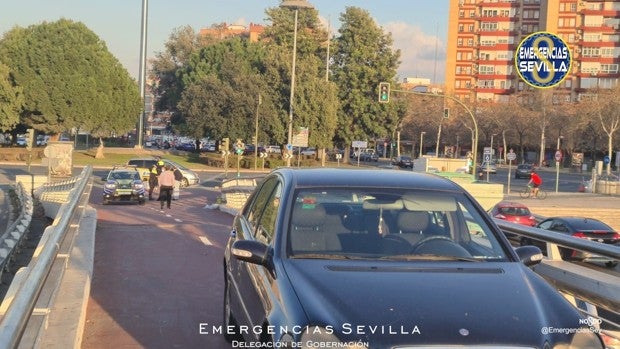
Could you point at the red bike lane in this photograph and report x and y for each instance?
(157, 279)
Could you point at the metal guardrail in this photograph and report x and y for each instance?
(29, 282)
(593, 291)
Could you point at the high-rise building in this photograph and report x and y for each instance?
(484, 34)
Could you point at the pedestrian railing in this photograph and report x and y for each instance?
(36, 284)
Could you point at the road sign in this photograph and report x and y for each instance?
(289, 147)
(263, 155)
(511, 156)
(239, 151)
(558, 155)
(338, 156)
(606, 159)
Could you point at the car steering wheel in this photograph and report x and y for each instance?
(396, 238)
(428, 239)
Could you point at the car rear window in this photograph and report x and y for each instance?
(590, 224)
(515, 211)
(141, 163)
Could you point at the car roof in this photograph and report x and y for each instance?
(510, 204)
(584, 223)
(366, 178)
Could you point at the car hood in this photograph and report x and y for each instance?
(122, 182)
(420, 303)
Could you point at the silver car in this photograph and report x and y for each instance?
(189, 177)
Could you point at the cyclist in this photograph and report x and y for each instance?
(535, 182)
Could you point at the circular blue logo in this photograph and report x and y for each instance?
(543, 60)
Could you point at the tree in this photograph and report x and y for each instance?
(11, 100)
(227, 78)
(362, 59)
(605, 107)
(315, 99)
(181, 44)
(70, 80)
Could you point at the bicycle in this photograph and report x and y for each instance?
(528, 192)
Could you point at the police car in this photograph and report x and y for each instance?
(123, 184)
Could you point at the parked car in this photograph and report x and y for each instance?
(144, 167)
(403, 161)
(487, 166)
(273, 149)
(369, 155)
(523, 171)
(123, 184)
(580, 227)
(250, 149)
(514, 212)
(386, 259)
(308, 151)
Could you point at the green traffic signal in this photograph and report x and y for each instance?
(384, 92)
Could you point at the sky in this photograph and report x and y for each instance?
(418, 27)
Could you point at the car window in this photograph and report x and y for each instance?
(263, 202)
(383, 223)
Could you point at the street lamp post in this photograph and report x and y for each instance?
(294, 4)
(421, 142)
(142, 74)
(557, 165)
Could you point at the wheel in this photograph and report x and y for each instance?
(611, 264)
(525, 193)
(105, 202)
(184, 183)
(541, 194)
(141, 202)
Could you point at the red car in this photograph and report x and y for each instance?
(513, 212)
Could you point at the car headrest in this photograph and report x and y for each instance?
(305, 215)
(412, 221)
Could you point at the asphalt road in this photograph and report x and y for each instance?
(158, 276)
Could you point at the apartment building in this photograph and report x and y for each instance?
(223, 31)
(484, 34)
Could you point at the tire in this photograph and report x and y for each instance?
(525, 193)
(141, 202)
(541, 194)
(184, 183)
(611, 264)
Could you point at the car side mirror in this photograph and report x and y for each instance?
(251, 251)
(529, 255)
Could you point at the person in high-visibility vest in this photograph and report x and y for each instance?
(153, 182)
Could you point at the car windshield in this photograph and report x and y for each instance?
(124, 175)
(389, 224)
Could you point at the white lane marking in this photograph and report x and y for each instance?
(205, 240)
(178, 220)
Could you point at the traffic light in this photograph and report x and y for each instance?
(30, 138)
(226, 143)
(384, 92)
(446, 113)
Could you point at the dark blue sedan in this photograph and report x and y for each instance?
(384, 259)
